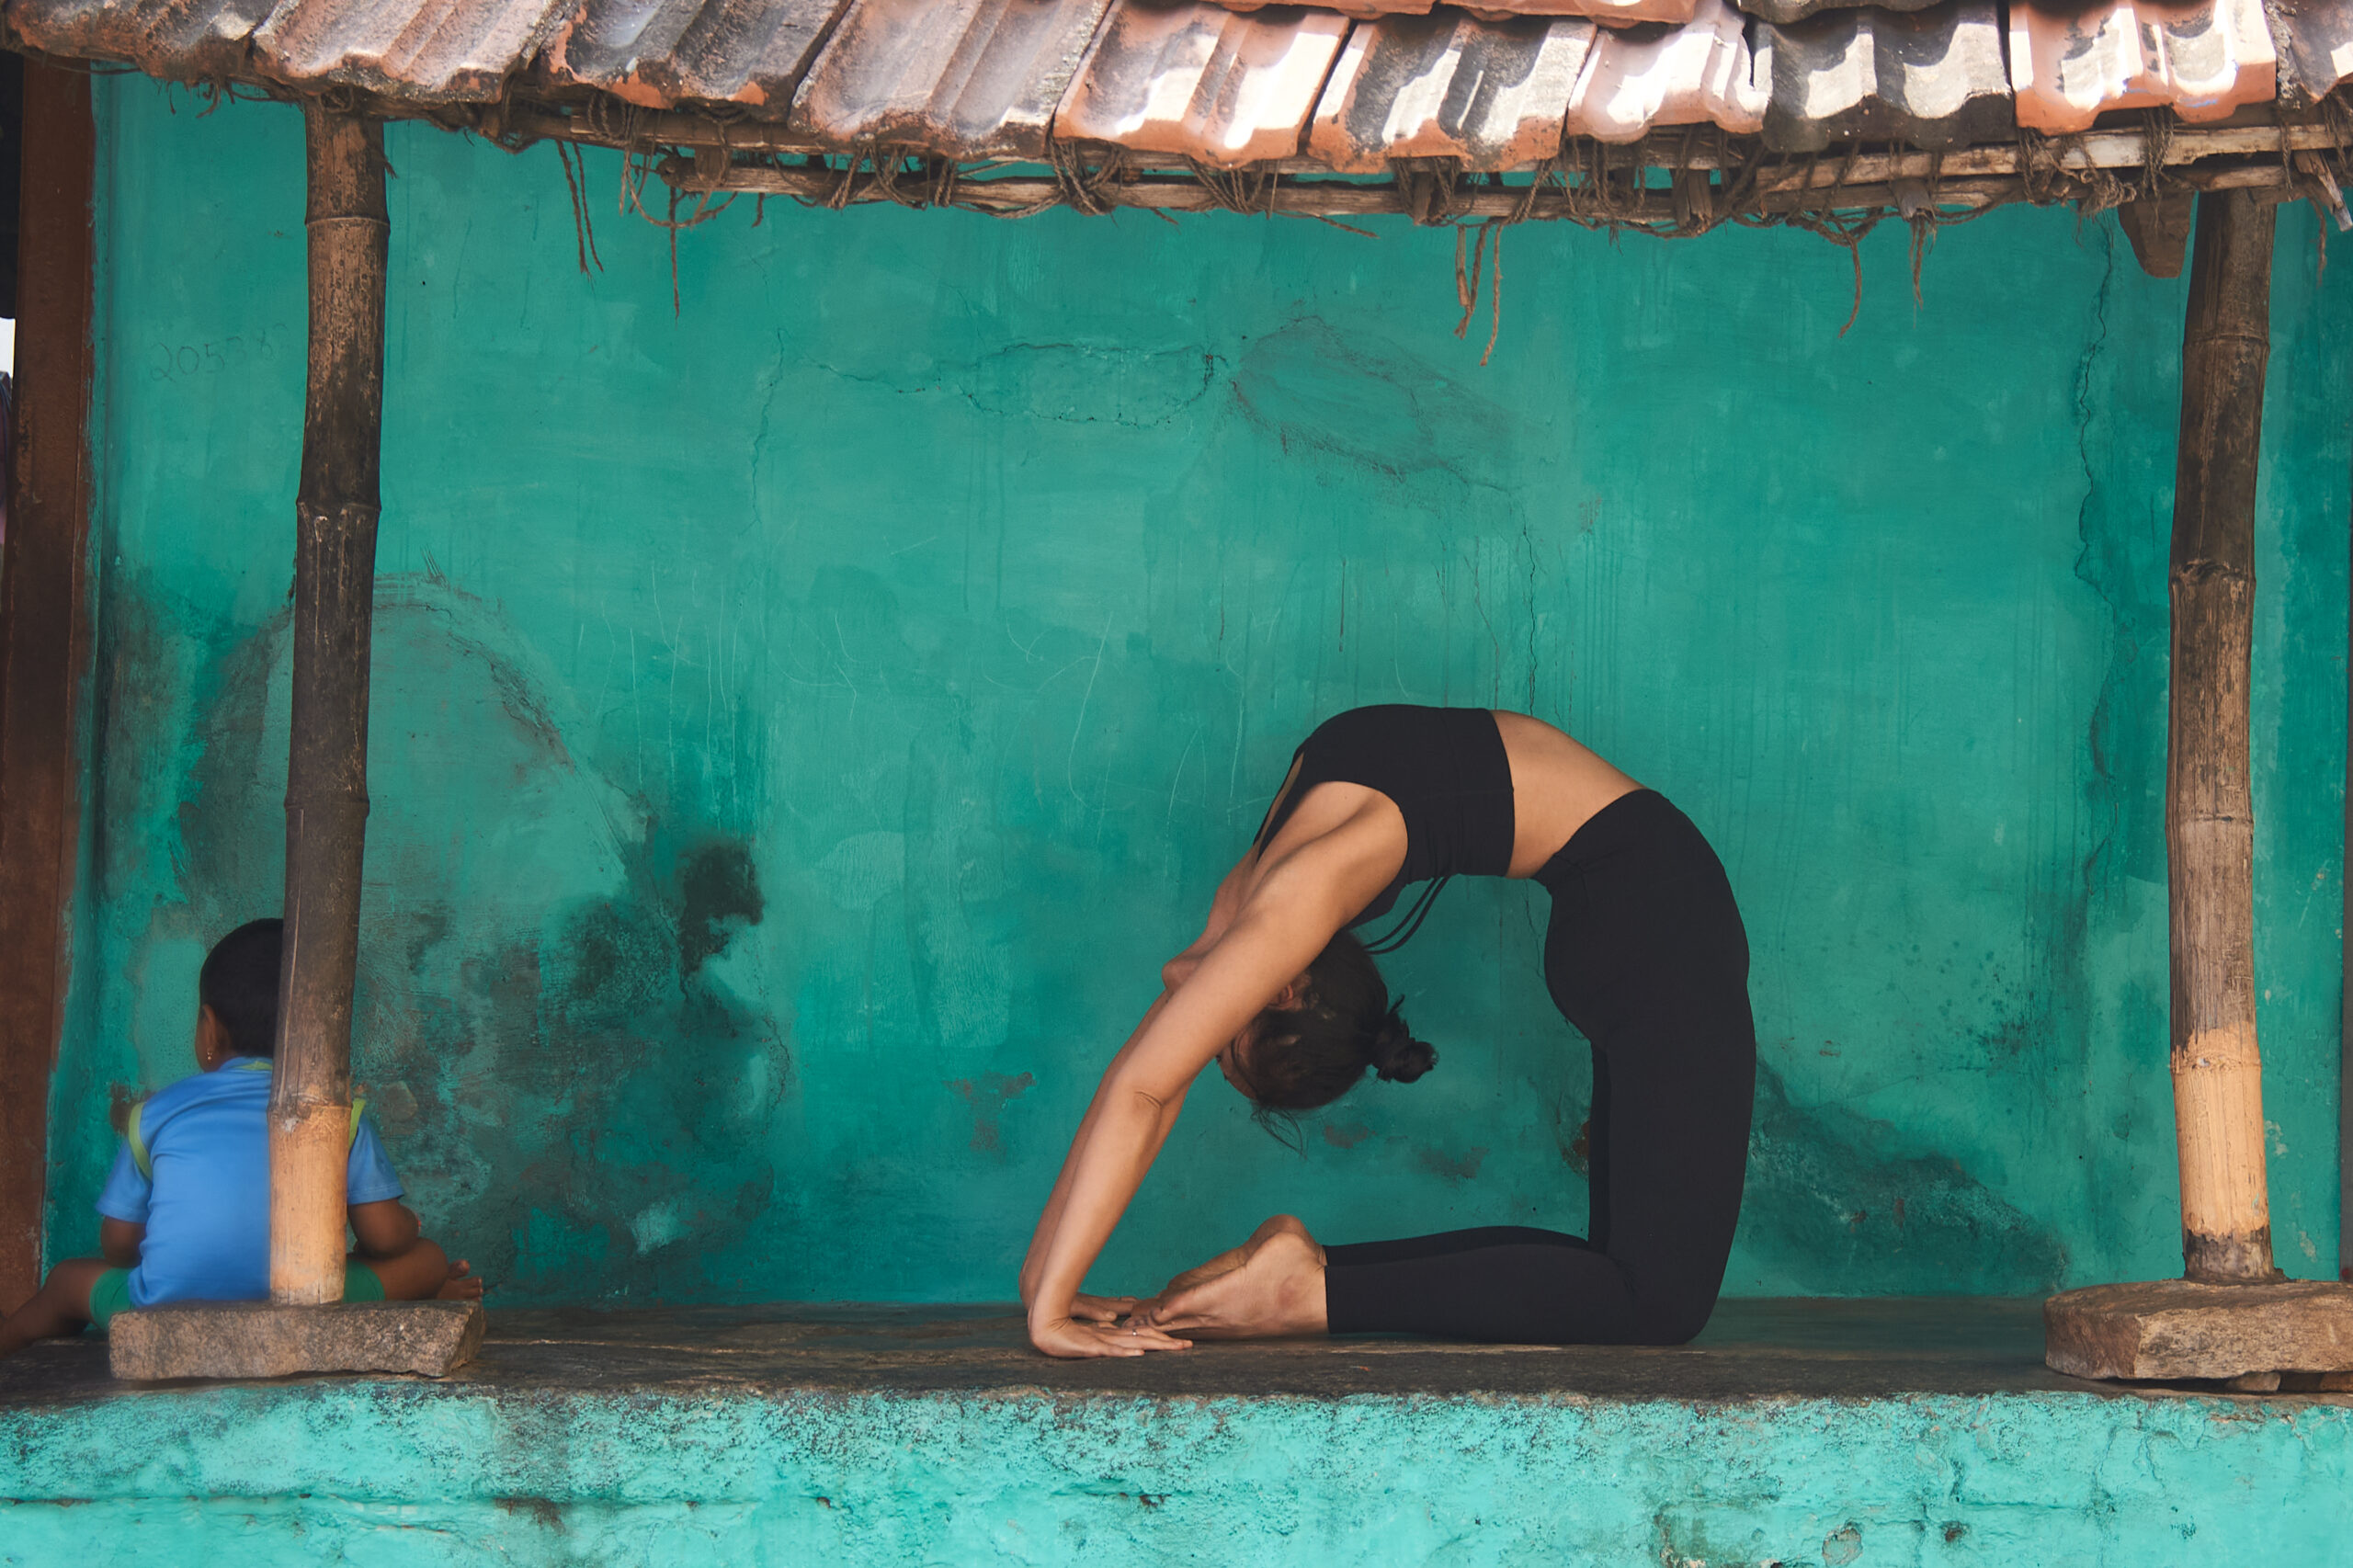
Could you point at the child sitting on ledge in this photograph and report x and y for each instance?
(186, 1213)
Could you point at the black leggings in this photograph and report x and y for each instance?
(1645, 954)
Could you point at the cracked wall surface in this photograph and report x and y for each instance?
(803, 723)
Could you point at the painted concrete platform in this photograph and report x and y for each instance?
(1792, 1432)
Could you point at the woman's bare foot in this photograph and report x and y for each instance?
(1273, 1287)
(1227, 1261)
(460, 1285)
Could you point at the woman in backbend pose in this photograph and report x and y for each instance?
(1645, 954)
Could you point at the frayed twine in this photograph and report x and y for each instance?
(576, 181)
(1466, 283)
(637, 167)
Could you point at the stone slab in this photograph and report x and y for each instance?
(1753, 1350)
(2177, 1329)
(254, 1339)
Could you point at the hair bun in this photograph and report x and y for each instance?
(1397, 1056)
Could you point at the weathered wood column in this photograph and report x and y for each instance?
(45, 615)
(326, 765)
(2210, 809)
(2233, 1319)
(327, 823)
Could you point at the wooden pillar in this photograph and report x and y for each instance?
(2210, 826)
(2234, 1319)
(44, 643)
(326, 769)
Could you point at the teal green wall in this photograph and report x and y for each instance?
(396, 1474)
(804, 721)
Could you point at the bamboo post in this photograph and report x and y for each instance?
(2210, 816)
(326, 767)
(326, 822)
(2235, 1320)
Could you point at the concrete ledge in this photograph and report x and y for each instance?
(2173, 1330)
(1922, 1434)
(254, 1339)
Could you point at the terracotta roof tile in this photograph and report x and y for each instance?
(2314, 40)
(1491, 94)
(179, 41)
(1609, 12)
(1490, 87)
(432, 49)
(2204, 60)
(658, 52)
(1934, 78)
(958, 78)
(1198, 81)
(1787, 11)
(1361, 10)
(1699, 73)
(1499, 10)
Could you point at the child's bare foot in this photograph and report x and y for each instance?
(1275, 1289)
(460, 1285)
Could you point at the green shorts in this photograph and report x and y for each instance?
(111, 1292)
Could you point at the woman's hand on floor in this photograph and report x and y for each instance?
(1068, 1337)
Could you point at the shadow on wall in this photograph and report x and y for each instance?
(553, 1046)
(1825, 1192)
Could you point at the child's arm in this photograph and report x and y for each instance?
(385, 1228)
(119, 1241)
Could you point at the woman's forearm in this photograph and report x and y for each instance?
(1250, 963)
(1107, 1166)
(1033, 1261)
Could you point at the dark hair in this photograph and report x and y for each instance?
(239, 982)
(1303, 1057)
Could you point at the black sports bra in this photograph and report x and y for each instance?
(1446, 771)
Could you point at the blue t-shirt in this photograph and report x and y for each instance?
(206, 1206)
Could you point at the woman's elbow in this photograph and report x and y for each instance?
(1139, 1098)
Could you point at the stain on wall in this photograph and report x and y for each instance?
(804, 724)
(1841, 1189)
(988, 1095)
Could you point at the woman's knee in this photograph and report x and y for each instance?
(1676, 1318)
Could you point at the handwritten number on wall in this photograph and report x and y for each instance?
(187, 361)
